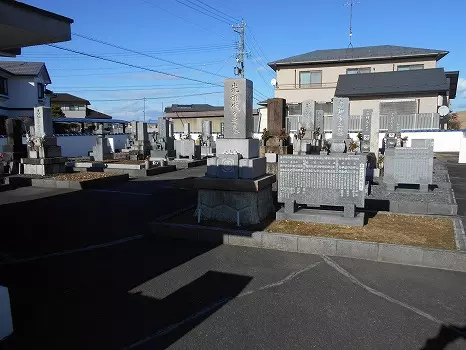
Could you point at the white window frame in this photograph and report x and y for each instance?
(310, 74)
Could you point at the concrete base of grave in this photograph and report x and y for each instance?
(133, 170)
(275, 149)
(43, 166)
(321, 217)
(208, 151)
(244, 202)
(6, 322)
(161, 154)
(187, 163)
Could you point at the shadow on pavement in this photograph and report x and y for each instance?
(445, 336)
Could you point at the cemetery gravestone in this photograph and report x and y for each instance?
(393, 133)
(307, 119)
(14, 150)
(413, 165)
(336, 180)
(320, 120)
(340, 124)
(366, 131)
(238, 108)
(276, 114)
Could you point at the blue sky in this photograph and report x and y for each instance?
(171, 31)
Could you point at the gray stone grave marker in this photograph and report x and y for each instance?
(307, 119)
(340, 124)
(238, 108)
(320, 120)
(336, 180)
(43, 121)
(366, 130)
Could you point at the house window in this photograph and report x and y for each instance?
(74, 108)
(410, 67)
(3, 86)
(310, 79)
(295, 109)
(358, 70)
(40, 90)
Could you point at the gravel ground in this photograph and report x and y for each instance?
(437, 195)
(81, 176)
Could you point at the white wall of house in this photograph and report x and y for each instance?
(425, 104)
(23, 96)
(288, 78)
(80, 111)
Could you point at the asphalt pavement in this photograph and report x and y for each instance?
(83, 273)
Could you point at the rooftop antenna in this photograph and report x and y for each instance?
(350, 4)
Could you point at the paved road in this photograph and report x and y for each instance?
(147, 293)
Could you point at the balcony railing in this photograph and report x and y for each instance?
(406, 122)
(305, 86)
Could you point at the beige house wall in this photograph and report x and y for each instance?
(288, 78)
(425, 104)
(196, 124)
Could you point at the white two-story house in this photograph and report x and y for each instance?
(385, 79)
(22, 87)
(76, 107)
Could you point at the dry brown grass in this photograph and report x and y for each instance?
(428, 232)
(81, 176)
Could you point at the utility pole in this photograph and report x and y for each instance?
(240, 52)
(144, 109)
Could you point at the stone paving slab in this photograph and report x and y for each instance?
(80, 185)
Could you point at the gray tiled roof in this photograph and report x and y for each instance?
(22, 68)
(68, 98)
(392, 83)
(358, 54)
(192, 108)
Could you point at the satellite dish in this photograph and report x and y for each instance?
(273, 82)
(443, 111)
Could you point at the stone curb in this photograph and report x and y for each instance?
(80, 185)
(383, 252)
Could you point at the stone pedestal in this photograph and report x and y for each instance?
(208, 151)
(243, 202)
(43, 166)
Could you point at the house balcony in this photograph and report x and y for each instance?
(306, 86)
(24, 25)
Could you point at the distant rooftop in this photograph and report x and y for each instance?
(20, 68)
(192, 108)
(358, 54)
(93, 114)
(68, 98)
(393, 83)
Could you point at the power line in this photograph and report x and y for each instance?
(132, 65)
(144, 54)
(156, 98)
(217, 10)
(215, 13)
(132, 89)
(200, 10)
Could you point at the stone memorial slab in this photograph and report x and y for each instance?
(43, 121)
(206, 128)
(276, 114)
(340, 124)
(228, 166)
(238, 108)
(142, 132)
(187, 128)
(134, 128)
(307, 119)
(403, 165)
(320, 120)
(163, 127)
(366, 130)
(336, 180)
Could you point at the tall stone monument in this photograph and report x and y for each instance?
(393, 136)
(308, 140)
(340, 124)
(278, 143)
(366, 130)
(236, 187)
(44, 155)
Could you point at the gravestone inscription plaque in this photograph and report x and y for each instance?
(238, 108)
(404, 165)
(336, 180)
(366, 130)
(320, 120)
(43, 121)
(206, 128)
(307, 119)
